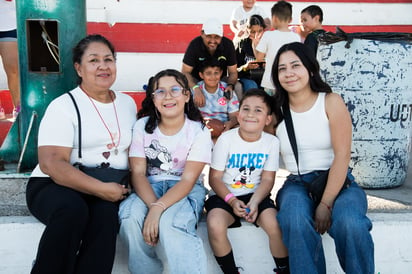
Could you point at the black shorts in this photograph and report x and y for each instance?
(8, 33)
(217, 202)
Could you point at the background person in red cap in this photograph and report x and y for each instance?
(210, 44)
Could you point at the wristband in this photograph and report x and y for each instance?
(325, 204)
(195, 86)
(229, 196)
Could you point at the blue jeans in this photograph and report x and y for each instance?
(247, 84)
(178, 242)
(350, 228)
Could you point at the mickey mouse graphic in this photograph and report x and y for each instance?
(243, 178)
(158, 156)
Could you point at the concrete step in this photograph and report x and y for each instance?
(391, 232)
(390, 211)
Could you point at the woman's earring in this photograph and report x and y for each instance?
(187, 107)
(157, 114)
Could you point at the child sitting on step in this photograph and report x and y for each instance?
(242, 175)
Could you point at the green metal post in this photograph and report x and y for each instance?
(46, 32)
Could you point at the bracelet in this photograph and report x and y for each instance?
(325, 204)
(229, 196)
(194, 87)
(161, 204)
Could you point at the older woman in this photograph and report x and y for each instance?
(80, 211)
(323, 130)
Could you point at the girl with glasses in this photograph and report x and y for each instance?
(170, 147)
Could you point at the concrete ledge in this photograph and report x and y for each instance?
(390, 211)
(19, 237)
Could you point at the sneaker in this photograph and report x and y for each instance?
(2, 114)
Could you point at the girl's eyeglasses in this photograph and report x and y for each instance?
(174, 91)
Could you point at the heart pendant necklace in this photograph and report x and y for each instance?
(113, 144)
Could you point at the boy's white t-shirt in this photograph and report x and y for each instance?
(243, 162)
(269, 44)
(166, 155)
(59, 127)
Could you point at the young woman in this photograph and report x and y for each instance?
(169, 149)
(323, 130)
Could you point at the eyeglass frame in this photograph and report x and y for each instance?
(155, 95)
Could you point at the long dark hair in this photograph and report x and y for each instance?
(311, 64)
(256, 20)
(149, 109)
(83, 44)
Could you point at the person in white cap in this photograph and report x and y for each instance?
(210, 44)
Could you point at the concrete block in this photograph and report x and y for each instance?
(391, 233)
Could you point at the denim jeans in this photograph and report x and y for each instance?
(178, 245)
(248, 84)
(350, 228)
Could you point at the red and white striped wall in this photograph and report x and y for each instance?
(151, 35)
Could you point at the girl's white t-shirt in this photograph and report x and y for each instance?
(167, 155)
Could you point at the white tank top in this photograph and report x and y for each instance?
(312, 137)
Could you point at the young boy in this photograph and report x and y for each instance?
(240, 19)
(271, 41)
(217, 106)
(242, 174)
(311, 18)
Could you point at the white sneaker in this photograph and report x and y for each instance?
(16, 111)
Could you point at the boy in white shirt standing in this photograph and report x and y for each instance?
(271, 41)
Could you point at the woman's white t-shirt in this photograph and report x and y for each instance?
(59, 127)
